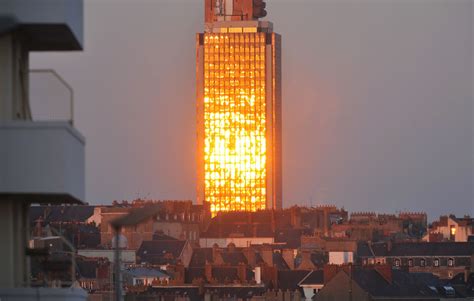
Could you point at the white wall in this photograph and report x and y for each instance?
(341, 257)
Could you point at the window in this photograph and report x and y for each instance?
(450, 262)
(396, 262)
(422, 262)
(410, 262)
(436, 262)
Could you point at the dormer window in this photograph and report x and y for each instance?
(450, 262)
(410, 262)
(396, 262)
(436, 262)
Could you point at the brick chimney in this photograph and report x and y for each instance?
(295, 217)
(179, 273)
(242, 272)
(215, 251)
(208, 271)
(306, 263)
(289, 258)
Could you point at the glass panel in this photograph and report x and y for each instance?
(235, 122)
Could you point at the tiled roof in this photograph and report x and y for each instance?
(86, 268)
(52, 214)
(200, 257)
(403, 284)
(234, 257)
(279, 262)
(146, 272)
(313, 277)
(289, 279)
(157, 251)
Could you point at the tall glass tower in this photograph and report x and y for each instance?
(238, 108)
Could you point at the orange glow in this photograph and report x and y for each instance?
(235, 146)
(453, 230)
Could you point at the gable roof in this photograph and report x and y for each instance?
(313, 277)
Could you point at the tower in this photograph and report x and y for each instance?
(238, 108)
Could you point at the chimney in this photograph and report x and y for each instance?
(242, 272)
(258, 274)
(325, 222)
(215, 251)
(295, 217)
(208, 271)
(306, 263)
(389, 245)
(385, 271)
(289, 258)
(179, 273)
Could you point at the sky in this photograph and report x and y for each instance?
(377, 101)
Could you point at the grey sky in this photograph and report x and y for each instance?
(377, 114)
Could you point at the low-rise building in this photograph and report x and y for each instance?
(145, 276)
(178, 219)
(451, 228)
(380, 283)
(443, 259)
(165, 252)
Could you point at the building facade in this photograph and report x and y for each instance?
(238, 109)
(442, 259)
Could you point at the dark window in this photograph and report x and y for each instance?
(410, 262)
(422, 262)
(436, 262)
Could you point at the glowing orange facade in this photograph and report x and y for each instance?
(239, 116)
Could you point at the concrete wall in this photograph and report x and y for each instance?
(43, 294)
(63, 16)
(42, 158)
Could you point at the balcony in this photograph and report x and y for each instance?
(41, 161)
